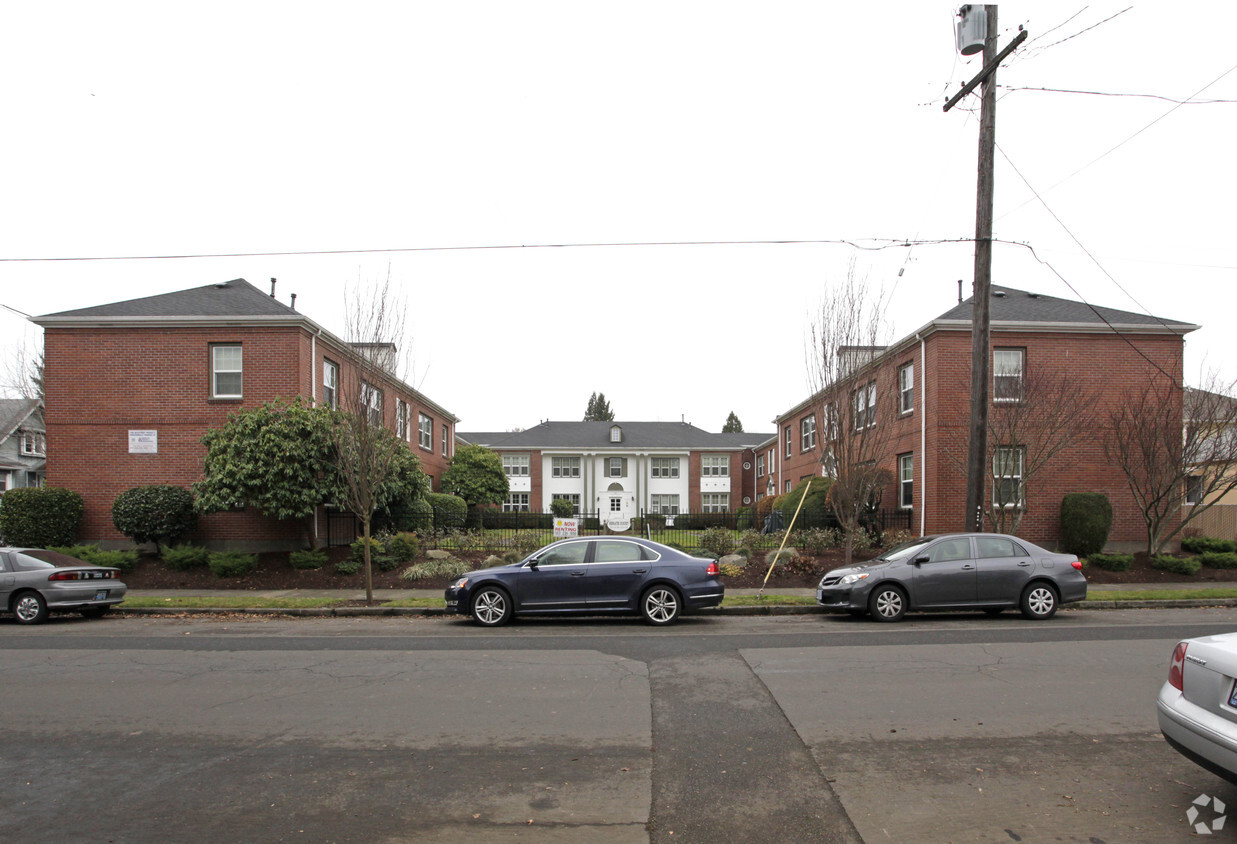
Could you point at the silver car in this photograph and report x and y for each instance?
(988, 571)
(1197, 706)
(34, 583)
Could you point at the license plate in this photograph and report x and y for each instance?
(101, 595)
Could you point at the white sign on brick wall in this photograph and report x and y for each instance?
(143, 442)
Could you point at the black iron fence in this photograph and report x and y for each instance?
(485, 529)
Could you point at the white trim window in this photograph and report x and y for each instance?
(371, 403)
(906, 388)
(760, 465)
(616, 434)
(665, 505)
(715, 502)
(906, 481)
(715, 465)
(330, 383)
(1194, 489)
(789, 443)
(401, 420)
(1007, 371)
(564, 467)
(1007, 464)
(515, 465)
(425, 432)
(33, 444)
(863, 403)
(446, 438)
(516, 502)
(616, 467)
(664, 467)
(572, 498)
(807, 432)
(226, 371)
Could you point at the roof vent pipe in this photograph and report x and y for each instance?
(272, 288)
(959, 291)
(294, 301)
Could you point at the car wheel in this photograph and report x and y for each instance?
(30, 608)
(660, 605)
(94, 612)
(1039, 601)
(491, 607)
(888, 603)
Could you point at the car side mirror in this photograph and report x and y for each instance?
(532, 564)
(919, 560)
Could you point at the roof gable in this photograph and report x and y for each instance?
(596, 436)
(1021, 306)
(235, 298)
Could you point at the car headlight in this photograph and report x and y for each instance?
(852, 578)
(460, 583)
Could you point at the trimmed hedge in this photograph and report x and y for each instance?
(185, 557)
(159, 513)
(312, 559)
(1086, 520)
(450, 511)
(1111, 562)
(1203, 544)
(40, 517)
(231, 563)
(1176, 565)
(1218, 560)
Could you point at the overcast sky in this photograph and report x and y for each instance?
(171, 129)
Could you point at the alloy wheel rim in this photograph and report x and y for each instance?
(660, 605)
(27, 608)
(490, 607)
(888, 604)
(1041, 601)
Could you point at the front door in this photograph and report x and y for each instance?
(555, 581)
(947, 577)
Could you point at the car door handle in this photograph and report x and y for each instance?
(968, 567)
(577, 574)
(1024, 563)
(639, 571)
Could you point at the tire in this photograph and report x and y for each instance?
(94, 612)
(661, 605)
(491, 607)
(888, 604)
(1039, 601)
(30, 608)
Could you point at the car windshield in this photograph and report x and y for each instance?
(906, 549)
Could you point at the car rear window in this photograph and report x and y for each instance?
(38, 558)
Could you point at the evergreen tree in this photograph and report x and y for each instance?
(598, 409)
(733, 425)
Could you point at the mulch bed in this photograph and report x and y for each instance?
(274, 572)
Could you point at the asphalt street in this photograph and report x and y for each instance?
(796, 728)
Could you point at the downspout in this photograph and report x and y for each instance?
(313, 396)
(923, 436)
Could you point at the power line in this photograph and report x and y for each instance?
(1117, 94)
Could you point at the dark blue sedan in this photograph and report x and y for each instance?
(590, 575)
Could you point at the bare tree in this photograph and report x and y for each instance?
(369, 455)
(1029, 426)
(850, 422)
(1175, 446)
(22, 375)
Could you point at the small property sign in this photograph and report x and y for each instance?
(564, 528)
(143, 442)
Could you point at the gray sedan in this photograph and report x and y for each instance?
(988, 571)
(34, 583)
(1197, 706)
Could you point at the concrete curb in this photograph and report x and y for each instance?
(771, 609)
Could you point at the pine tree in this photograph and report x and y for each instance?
(733, 425)
(598, 409)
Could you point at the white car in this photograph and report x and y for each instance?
(1197, 707)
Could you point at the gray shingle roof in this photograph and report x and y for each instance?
(1012, 305)
(13, 412)
(226, 299)
(596, 436)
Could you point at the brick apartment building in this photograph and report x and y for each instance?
(625, 469)
(131, 387)
(920, 386)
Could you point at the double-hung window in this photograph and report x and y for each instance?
(371, 403)
(1007, 465)
(715, 502)
(665, 467)
(33, 444)
(516, 502)
(564, 467)
(807, 432)
(666, 505)
(425, 432)
(906, 388)
(789, 452)
(225, 371)
(715, 466)
(330, 383)
(1007, 373)
(906, 480)
(515, 465)
(446, 436)
(401, 420)
(616, 467)
(760, 466)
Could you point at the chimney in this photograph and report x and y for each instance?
(272, 288)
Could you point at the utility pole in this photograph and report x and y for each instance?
(981, 325)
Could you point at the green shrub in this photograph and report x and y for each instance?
(312, 559)
(123, 560)
(731, 570)
(562, 508)
(231, 563)
(81, 552)
(894, 538)
(1218, 560)
(449, 568)
(744, 518)
(801, 565)
(717, 541)
(814, 540)
(1176, 565)
(402, 547)
(1086, 519)
(40, 517)
(749, 542)
(405, 514)
(1111, 562)
(159, 513)
(1203, 544)
(379, 556)
(185, 557)
(450, 511)
(349, 566)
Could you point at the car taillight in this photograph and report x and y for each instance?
(1176, 668)
(1077, 564)
(713, 570)
(65, 575)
